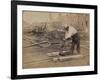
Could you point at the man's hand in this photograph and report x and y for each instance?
(66, 39)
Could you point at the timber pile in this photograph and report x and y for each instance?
(65, 58)
(56, 57)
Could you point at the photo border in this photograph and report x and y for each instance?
(14, 37)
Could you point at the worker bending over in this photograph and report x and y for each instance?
(72, 33)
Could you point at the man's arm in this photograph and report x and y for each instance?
(67, 36)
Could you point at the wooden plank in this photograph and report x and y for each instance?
(36, 44)
(64, 58)
(53, 54)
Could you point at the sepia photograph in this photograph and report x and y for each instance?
(55, 39)
(52, 39)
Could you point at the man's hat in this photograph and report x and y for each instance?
(66, 27)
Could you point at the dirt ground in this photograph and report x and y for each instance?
(36, 57)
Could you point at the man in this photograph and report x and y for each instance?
(72, 33)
